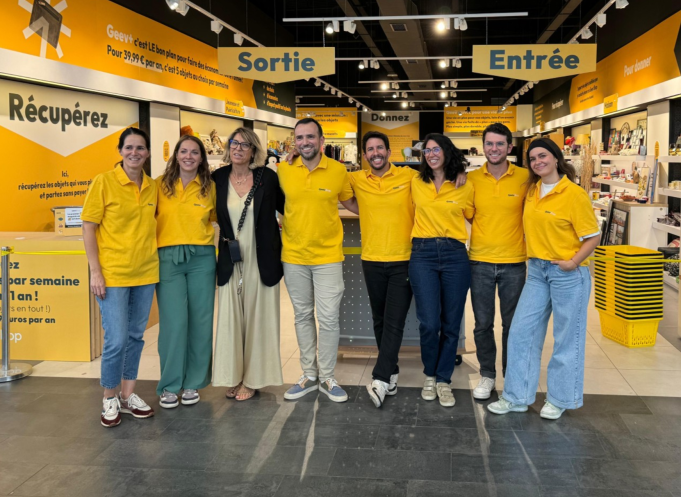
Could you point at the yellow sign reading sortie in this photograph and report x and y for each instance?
(276, 65)
(534, 62)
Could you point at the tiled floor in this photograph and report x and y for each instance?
(624, 442)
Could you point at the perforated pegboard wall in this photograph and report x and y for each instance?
(355, 314)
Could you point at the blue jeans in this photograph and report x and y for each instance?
(125, 313)
(549, 289)
(440, 275)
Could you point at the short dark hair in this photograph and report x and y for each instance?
(375, 134)
(455, 161)
(309, 120)
(133, 131)
(498, 129)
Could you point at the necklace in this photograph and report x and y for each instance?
(241, 181)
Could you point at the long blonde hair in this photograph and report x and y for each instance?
(259, 153)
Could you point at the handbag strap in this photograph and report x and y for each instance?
(249, 199)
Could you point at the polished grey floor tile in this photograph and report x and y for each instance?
(12, 400)
(269, 411)
(458, 489)
(52, 385)
(165, 482)
(366, 413)
(537, 443)
(277, 460)
(13, 474)
(636, 448)
(51, 450)
(482, 420)
(629, 475)
(276, 394)
(391, 464)
(328, 435)
(568, 423)
(61, 405)
(30, 423)
(608, 404)
(429, 439)
(340, 487)
(158, 455)
(236, 431)
(130, 428)
(80, 481)
(665, 406)
(534, 470)
(598, 492)
(658, 425)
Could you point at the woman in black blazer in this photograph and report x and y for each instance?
(247, 339)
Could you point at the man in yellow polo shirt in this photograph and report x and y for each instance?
(497, 250)
(312, 255)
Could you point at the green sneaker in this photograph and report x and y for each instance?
(503, 406)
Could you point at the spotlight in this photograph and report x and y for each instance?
(376, 64)
(216, 27)
(443, 85)
(394, 95)
(350, 100)
(443, 94)
(444, 24)
(620, 4)
(530, 85)
(238, 39)
(180, 6)
(357, 105)
(457, 63)
(444, 63)
(446, 104)
(336, 26)
(454, 84)
(383, 114)
(365, 109)
(329, 28)
(361, 65)
(405, 105)
(586, 33)
(503, 108)
(457, 23)
(172, 4)
(339, 94)
(349, 27)
(573, 42)
(404, 94)
(333, 91)
(318, 82)
(463, 25)
(384, 86)
(601, 19)
(326, 87)
(412, 104)
(452, 94)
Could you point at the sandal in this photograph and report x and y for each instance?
(245, 393)
(232, 391)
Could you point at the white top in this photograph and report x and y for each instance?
(546, 188)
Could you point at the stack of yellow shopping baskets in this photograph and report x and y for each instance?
(628, 293)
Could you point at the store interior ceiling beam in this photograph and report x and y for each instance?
(407, 17)
(439, 90)
(444, 100)
(437, 80)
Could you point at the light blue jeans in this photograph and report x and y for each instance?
(125, 313)
(566, 294)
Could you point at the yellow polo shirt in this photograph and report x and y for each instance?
(126, 236)
(497, 231)
(312, 231)
(185, 218)
(554, 224)
(386, 213)
(441, 214)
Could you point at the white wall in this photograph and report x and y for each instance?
(165, 126)
(658, 127)
(260, 129)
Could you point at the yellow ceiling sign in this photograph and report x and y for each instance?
(534, 62)
(276, 65)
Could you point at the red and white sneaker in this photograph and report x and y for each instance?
(135, 406)
(111, 412)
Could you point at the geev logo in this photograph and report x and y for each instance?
(55, 115)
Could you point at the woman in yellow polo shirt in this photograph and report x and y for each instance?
(119, 232)
(561, 231)
(439, 270)
(186, 290)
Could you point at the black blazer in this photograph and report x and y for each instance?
(267, 200)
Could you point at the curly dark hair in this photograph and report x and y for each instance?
(455, 162)
(172, 172)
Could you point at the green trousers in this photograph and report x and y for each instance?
(186, 299)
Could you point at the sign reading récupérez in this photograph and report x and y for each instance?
(534, 62)
(276, 64)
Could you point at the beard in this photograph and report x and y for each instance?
(309, 153)
(373, 166)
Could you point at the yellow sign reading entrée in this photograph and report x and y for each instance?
(534, 62)
(276, 65)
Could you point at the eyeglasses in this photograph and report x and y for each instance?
(435, 150)
(243, 145)
(498, 144)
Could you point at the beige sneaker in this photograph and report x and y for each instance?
(444, 391)
(428, 392)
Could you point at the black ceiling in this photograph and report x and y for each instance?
(262, 20)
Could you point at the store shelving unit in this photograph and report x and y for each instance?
(670, 281)
(669, 192)
(672, 230)
(619, 184)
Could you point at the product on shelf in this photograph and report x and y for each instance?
(216, 142)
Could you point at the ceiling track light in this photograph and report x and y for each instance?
(444, 24)
(339, 94)
(443, 94)
(178, 6)
(405, 105)
(620, 4)
(456, 63)
(365, 109)
(329, 28)
(452, 94)
(333, 91)
(318, 82)
(444, 63)
(384, 86)
(216, 27)
(586, 33)
(404, 94)
(357, 105)
(446, 104)
(394, 95)
(412, 104)
(463, 25)
(238, 39)
(336, 26)
(349, 27)
(457, 23)
(326, 87)
(601, 19)
(350, 100)
(454, 84)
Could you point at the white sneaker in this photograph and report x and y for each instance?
(392, 386)
(111, 412)
(549, 411)
(503, 406)
(444, 392)
(168, 400)
(484, 389)
(428, 392)
(190, 396)
(377, 391)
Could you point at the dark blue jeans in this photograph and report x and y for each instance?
(485, 279)
(440, 276)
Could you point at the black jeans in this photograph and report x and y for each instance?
(485, 277)
(390, 298)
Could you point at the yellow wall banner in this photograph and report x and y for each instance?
(402, 128)
(337, 122)
(610, 104)
(534, 62)
(645, 62)
(63, 139)
(276, 64)
(49, 308)
(457, 120)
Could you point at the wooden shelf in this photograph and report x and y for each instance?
(669, 192)
(669, 158)
(620, 184)
(672, 230)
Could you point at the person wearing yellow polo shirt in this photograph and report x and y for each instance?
(497, 249)
(186, 290)
(312, 256)
(119, 233)
(561, 232)
(439, 269)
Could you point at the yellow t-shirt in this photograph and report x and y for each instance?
(386, 213)
(497, 231)
(312, 231)
(126, 236)
(555, 223)
(443, 214)
(185, 218)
